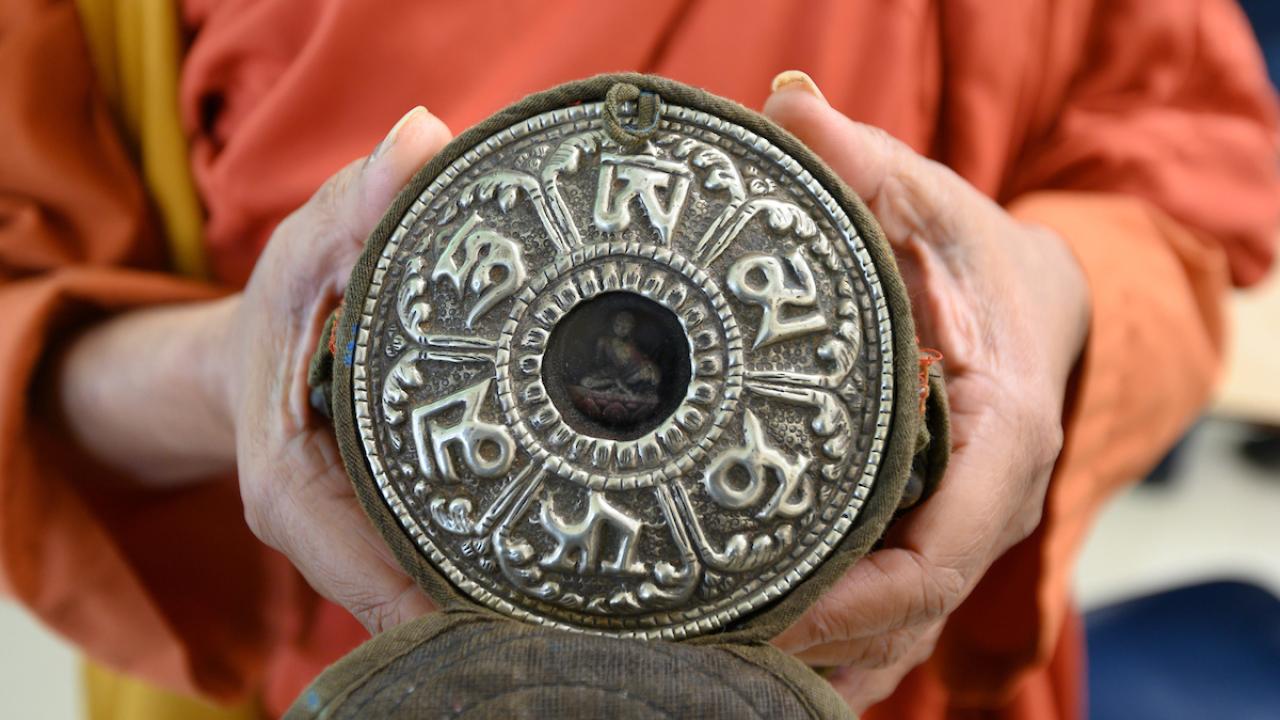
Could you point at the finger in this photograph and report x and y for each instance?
(911, 195)
(919, 204)
(331, 228)
(940, 551)
(321, 242)
(861, 688)
(354, 569)
(864, 156)
(876, 651)
(410, 144)
(318, 524)
(351, 569)
(297, 496)
(885, 591)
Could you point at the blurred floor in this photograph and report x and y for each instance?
(1251, 384)
(1217, 517)
(39, 673)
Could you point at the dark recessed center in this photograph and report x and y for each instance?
(617, 365)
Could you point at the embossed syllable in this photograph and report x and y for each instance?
(640, 390)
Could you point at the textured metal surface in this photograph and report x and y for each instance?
(687, 452)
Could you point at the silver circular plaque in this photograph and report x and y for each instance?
(640, 389)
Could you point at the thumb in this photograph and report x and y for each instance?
(863, 155)
(409, 145)
(916, 201)
(342, 213)
(905, 190)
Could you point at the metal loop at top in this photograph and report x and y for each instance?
(646, 120)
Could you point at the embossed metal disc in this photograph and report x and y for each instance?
(640, 390)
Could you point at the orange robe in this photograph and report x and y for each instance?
(1143, 132)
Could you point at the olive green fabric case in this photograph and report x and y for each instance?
(418, 657)
(470, 665)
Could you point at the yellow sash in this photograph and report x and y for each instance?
(136, 50)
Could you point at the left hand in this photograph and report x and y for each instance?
(1007, 305)
(297, 496)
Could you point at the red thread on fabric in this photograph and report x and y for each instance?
(333, 331)
(928, 356)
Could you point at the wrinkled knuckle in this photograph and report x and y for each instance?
(318, 212)
(902, 159)
(882, 138)
(1028, 521)
(828, 623)
(258, 516)
(1048, 448)
(938, 172)
(1043, 419)
(935, 601)
(262, 510)
(289, 226)
(375, 613)
(941, 590)
(884, 651)
(327, 208)
(253, 519)
(328, 198)
(279, 251)
(1041, 429)
(948, 590)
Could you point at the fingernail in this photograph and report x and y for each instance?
(390, 139)
(798, 80)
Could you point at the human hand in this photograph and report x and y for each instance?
(296, 494)
(1007, 305)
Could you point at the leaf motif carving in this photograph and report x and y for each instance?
(507, 197)
(404, 376)
(721, 173)
(505, 186)
(784, 216)
(568, 155)
(453, 515)
(412, 306)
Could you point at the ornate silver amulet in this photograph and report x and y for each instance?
(622, 359)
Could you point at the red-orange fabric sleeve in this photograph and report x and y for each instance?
(126, 574)
(1160, 172)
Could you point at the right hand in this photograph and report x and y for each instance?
(296, 494)
(1008, 306)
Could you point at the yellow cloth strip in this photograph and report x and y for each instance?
(111, 696)
(136, 50)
